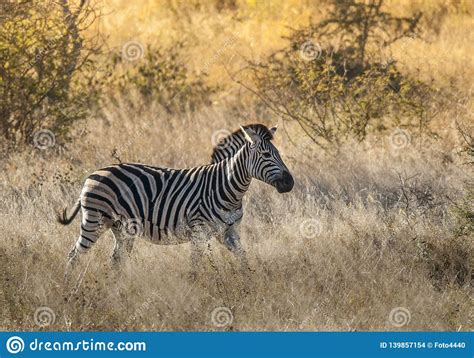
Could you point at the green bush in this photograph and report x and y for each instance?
(331, 80)
(46, 68)
(158, 75)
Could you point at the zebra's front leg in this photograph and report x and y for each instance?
(130, 240)
(197, 252)
(198, 249)
(233, 243)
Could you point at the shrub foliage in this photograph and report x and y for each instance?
(160, 75)
(333, 81)
(46, 67)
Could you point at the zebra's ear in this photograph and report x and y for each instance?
(274, 129)
(250, 135)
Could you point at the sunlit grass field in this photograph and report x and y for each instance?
(367, 240)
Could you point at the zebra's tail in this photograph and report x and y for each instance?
(64, 219)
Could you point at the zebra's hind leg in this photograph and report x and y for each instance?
(73, 258)
(123, 246)
(92, 226)
(71, 263)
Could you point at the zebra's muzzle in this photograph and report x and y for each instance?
(285, 183)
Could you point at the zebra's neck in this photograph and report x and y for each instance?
(238, 177)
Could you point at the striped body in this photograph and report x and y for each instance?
(171, 206)
(162, 202)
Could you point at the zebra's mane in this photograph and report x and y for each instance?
(229, 145)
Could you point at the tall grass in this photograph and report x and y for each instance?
(338, 253)
(368, 230)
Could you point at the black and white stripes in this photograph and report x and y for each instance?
(159, 202)
(236, 140)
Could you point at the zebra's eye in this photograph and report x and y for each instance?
(266, 155)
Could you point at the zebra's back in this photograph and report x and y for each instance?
(154, 200)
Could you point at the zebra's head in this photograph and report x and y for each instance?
(264, 162)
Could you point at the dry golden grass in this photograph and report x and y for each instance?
(259, 26)
(339, 252)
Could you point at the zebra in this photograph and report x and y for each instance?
(229, 145)
(160, 203)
